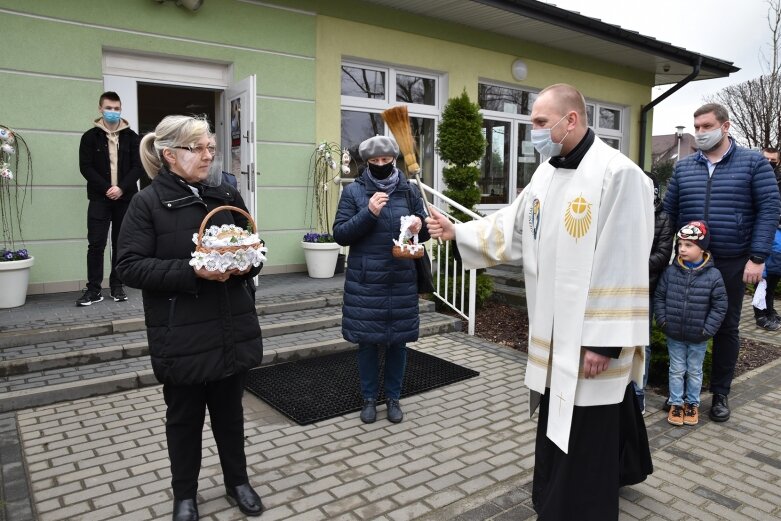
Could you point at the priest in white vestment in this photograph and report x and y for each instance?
(583, 229)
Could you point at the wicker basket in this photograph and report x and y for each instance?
(406, 254)
(224, 249)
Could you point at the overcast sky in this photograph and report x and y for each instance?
(731, 30)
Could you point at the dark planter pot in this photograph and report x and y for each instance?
(340, 261)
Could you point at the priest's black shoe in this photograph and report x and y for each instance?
(719, 410)
(369, 411)
(185, 510)
(248, 500)
(395, 415)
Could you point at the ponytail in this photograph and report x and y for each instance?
(149, 156)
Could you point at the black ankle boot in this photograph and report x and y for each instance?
(185, 510)
(247, 499)
(369, 411)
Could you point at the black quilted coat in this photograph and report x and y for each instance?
(662, 248)
(380, 291)
(198, 330)
(690, 304)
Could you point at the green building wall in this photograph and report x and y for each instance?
(52, 76)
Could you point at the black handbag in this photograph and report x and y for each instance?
(423, 264)
(425, 279)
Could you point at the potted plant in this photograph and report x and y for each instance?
(320, 249)
(15, 260)
(321, 253)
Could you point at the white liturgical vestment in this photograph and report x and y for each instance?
(584, 237)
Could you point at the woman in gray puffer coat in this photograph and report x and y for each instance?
(202, 326)
(380, 291)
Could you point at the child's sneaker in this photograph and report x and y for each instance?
(691, 414)
(675, 416)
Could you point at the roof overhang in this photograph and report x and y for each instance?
(547, 25)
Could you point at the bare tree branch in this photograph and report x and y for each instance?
(755, 105)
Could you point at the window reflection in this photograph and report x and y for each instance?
(528, 157)
(609, 119)
(414, 89)
(495, 165)
(356, 127)
(505, 99)
(363, 83)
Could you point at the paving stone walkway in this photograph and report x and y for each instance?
(463, 452)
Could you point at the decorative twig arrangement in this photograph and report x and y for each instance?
(327, 164)
(14, 191)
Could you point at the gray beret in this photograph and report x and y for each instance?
(378, 146)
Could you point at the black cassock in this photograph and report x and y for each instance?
(608, 449)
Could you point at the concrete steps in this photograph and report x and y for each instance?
(509, 287)
(83, 360)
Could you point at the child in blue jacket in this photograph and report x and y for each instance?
(690, 304)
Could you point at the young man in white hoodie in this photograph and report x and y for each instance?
(109, 161)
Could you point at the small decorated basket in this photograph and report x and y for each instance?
(227, 247)
(408, 251)
(407, 246)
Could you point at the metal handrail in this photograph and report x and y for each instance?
(448, 295)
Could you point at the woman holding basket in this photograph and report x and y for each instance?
(380, 308)
(202, 326)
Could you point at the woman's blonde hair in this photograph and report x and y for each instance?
(172, 131)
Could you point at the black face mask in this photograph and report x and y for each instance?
(381, 171)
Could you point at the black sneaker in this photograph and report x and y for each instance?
(89, 297)
(118, 294)
(769, 323)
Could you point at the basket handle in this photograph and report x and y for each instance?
(220, 209)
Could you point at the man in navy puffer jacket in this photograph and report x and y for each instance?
(734, 190)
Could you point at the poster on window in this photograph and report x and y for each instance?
(236, 136)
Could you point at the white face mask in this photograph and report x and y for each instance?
(543, 143)
(707, 141)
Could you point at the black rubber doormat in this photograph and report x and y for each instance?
(319, 388)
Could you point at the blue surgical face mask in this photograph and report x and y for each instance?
(543, 143)
(111, 116)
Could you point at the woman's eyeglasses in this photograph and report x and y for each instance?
(200, 149)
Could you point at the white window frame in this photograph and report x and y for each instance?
(621, 135)
(610, 133)
(359, 104)
(513, 119)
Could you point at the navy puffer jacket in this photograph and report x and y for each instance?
(690, 304)
(740, 201)
(380, 291)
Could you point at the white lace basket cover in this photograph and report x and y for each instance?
(227, 247)
(407, 245)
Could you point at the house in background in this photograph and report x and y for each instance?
(277, 77)
(671, 147)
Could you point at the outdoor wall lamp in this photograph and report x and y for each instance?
(519, 70)
(190, 5)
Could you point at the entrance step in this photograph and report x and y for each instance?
(509, 287)
(49, 372)
(83, 327)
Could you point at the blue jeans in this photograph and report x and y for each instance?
(685, 360)
(368, 369)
